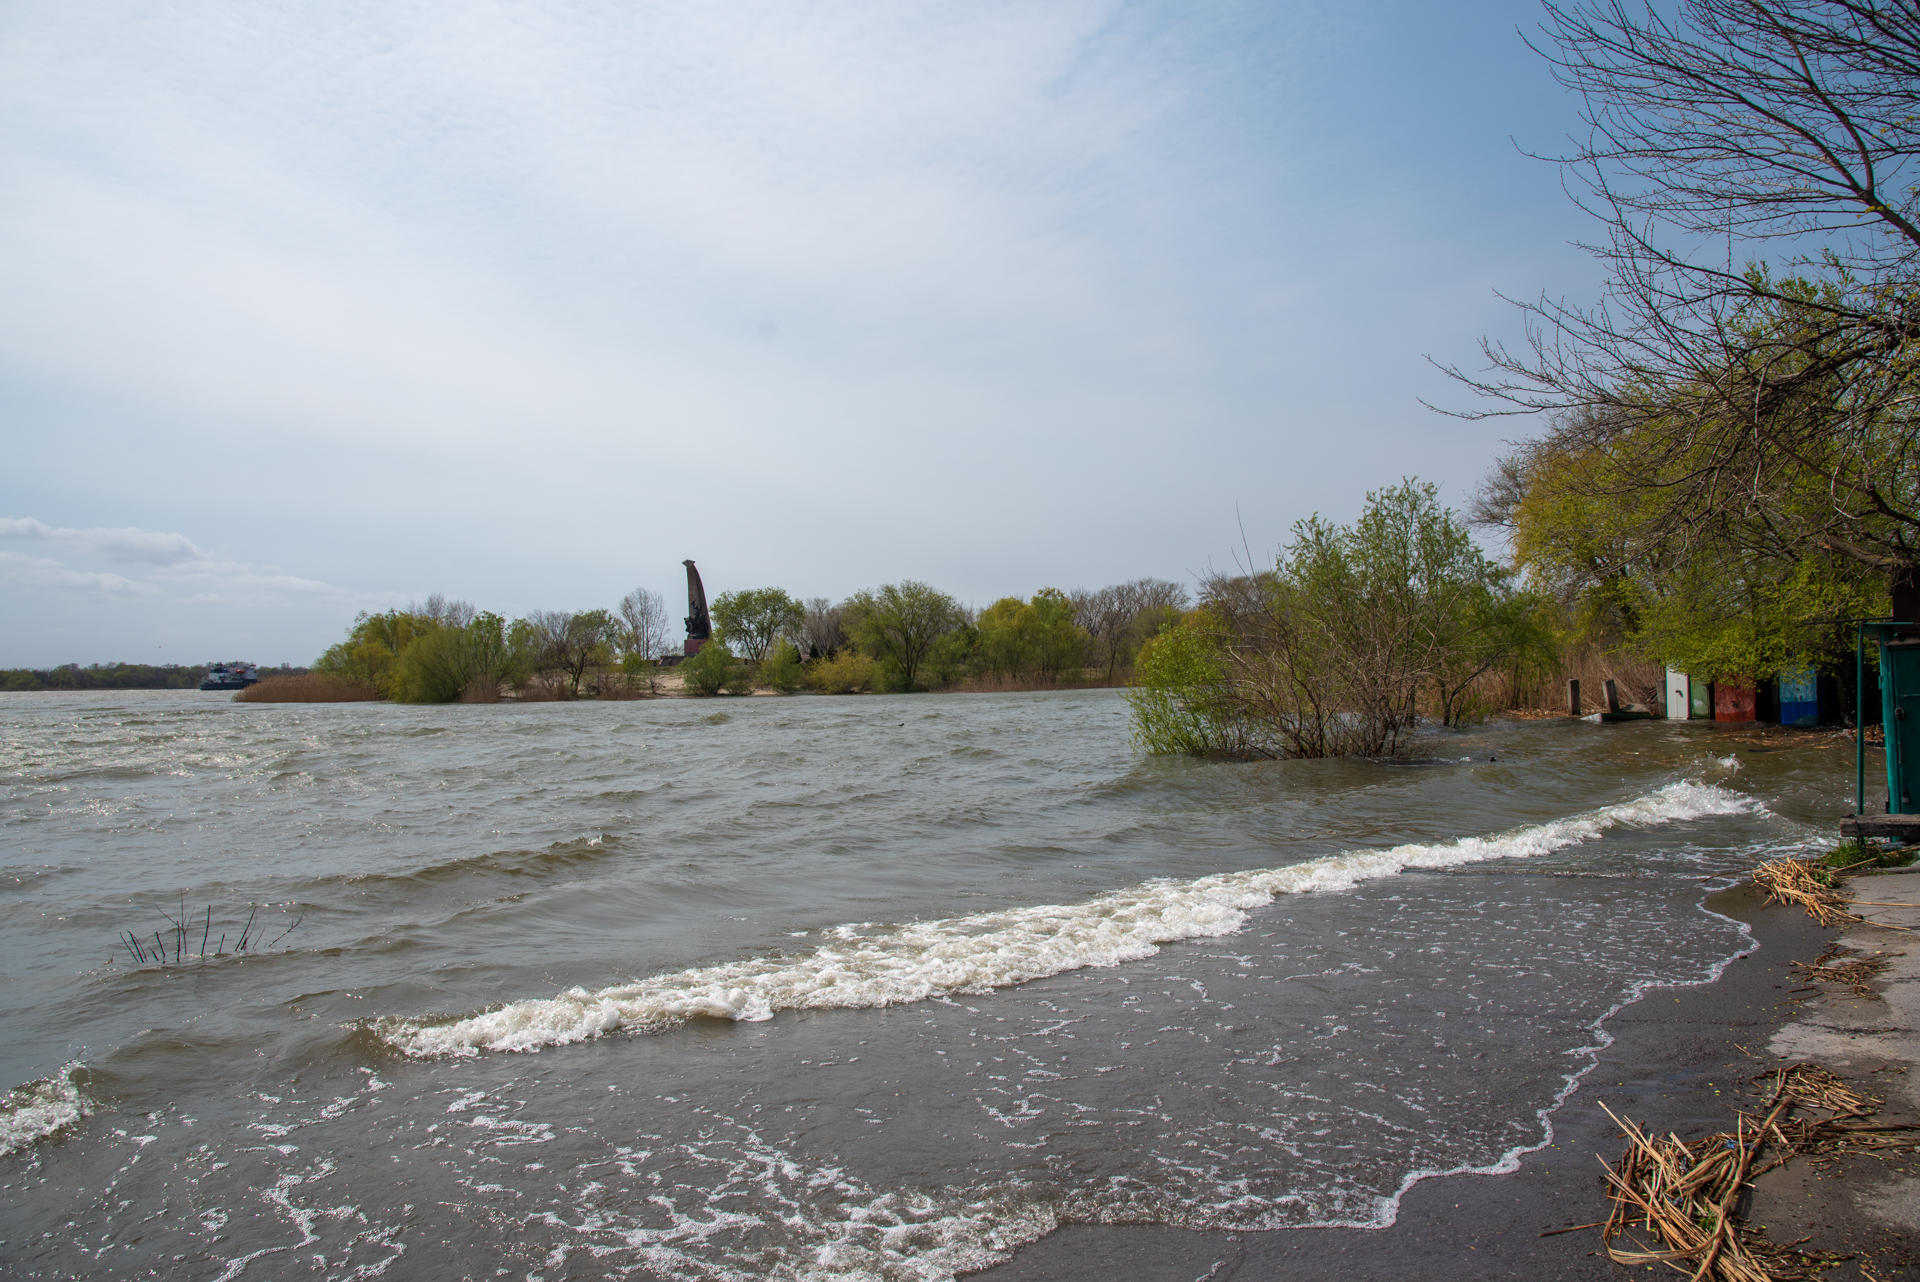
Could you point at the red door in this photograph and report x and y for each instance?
(1734, 702)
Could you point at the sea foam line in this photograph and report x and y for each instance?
(863, 966)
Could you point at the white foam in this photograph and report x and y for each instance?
(40, 1108)
(871, 966)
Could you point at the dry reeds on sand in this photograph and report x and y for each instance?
(1674, 1200)
(309, 688)
(1808, 883)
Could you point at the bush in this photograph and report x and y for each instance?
(845, 673)
(706, 674)
(1182, 699)
(780, 670)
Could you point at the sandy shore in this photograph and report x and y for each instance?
(1681, 1060)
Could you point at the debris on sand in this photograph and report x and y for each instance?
(1808, 883)
(1673, 1200)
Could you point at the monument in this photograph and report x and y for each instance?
(699, 627)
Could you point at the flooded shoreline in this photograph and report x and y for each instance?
(799, 990)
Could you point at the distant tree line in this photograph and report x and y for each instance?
(899, 637)
(118, 676)
(910, 636)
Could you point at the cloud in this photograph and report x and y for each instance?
(39, 572)
(126, 544)
(182, 568)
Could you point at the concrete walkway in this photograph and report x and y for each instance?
(1874, 1042)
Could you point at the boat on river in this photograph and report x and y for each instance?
(230, 676)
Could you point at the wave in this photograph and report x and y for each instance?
(40, 1108)
(864, 965)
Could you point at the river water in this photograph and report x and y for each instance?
(862, 987)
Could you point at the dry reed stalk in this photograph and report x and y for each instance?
(307, 689)
(1807, 883)
(1682, 1194)
(1854, 972)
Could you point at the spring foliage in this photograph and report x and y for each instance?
(1336, 649)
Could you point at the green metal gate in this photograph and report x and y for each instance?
(1899, 647)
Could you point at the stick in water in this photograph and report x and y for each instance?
(289, 930)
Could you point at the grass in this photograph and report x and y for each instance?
(1868, 853)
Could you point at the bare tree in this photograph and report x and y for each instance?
(1764, 409)
(648, 626)
(573, 641)
(447, 612)
(1121, 617)
(824, 630)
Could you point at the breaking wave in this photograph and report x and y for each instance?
(865, 965)
(39, 1109)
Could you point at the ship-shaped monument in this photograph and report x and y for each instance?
(699, 627)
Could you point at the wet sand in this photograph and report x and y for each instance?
(1681, 1060)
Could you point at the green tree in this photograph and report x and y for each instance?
(847, 672)
(900, 623)
(469, 662)
(373, 647)
(751, 621)
(707, 673)
(1722, 420)
(1036, 638)
(1721, 594)
(953, 658)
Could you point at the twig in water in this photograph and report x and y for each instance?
(241, 947)
(205, 931)
(289, 930)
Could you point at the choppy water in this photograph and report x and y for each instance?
(808, 988)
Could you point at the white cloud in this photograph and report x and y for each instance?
(40, 572)
(125, 544)
(182, 568)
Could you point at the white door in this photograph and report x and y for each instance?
(1678, 703)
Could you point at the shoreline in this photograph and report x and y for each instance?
(1681, 1059)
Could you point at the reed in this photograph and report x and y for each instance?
(169, 947)
(307, 689)
(1673, 1201)
(1843, 966)
(1808, 883)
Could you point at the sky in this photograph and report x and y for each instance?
(309, 309)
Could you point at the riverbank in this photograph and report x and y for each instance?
(1681, 1060)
